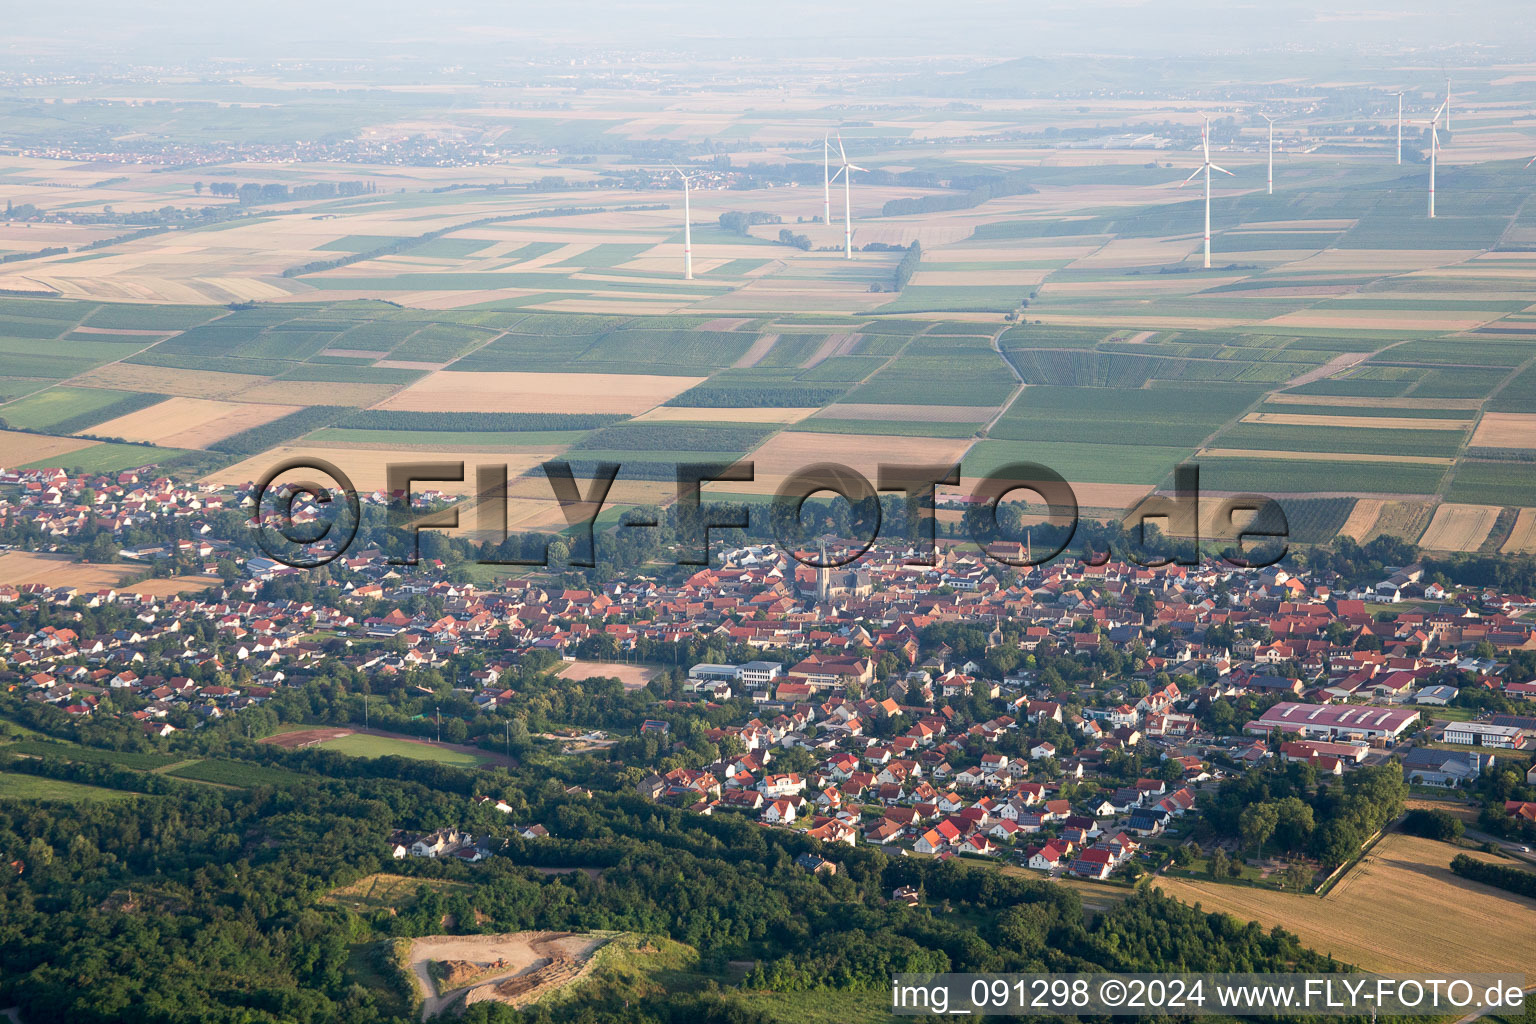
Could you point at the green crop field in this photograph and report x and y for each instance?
(241, 774)
(1494, 483)
(17, 786)
(892, 428)
(42, 410)
(951, 371)
(1081, 463)
(135, 760)
(1349, 440)
(1291, 476)
(1169, 417)
(107, 457)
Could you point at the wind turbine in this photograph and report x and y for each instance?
(687, 228)
(1447, 102)
(1399, 129)
(826, 180)
(847, 172)
(1434, 153)
(1207, 167)
(1271, 152)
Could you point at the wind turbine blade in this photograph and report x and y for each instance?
(841, 154)
(839, 171)
(1528, 163)
(1223, 170)
(1194, 174)
(856, 167)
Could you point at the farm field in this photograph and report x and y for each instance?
(368, 467)
(1387, 913)
(1522, 537)
(191, 422)
(18, 567)
(1341, 345)
(19, 786)
(786, 453)
(1459, 527)
(540, 392)
(173, 586)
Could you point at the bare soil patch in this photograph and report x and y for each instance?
(634, 677)
(835, 345)
(515, 968)
(754, 355)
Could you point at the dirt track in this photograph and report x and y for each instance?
(525, 955)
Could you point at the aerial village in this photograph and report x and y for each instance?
(856, 725)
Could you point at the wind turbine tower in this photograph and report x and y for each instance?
(1271, 152)
(1207, 167)
(826, 180)
(1399, 129)
(1434, 156)
(847, 172)
(687, 228)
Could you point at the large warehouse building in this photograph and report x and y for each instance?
(1334, 721)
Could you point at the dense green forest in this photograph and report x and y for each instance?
(196, 904)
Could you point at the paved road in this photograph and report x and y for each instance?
(1511, 847)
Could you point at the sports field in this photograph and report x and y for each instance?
(360, 745)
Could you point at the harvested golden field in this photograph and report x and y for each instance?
(785, 454)
(18, 567)
(174, 585)
(1400, 910)
(368, 467)
(1505, 430)
(18, 448)
(1361, 518)
(1272, 453)
(1522, 538)
(1378, 422)
(190, 422)
(166, 380)
(1459, 527)
(1377, 320)
(539, 392)
(1362, 402)
(309, 392)
(678, 413)
(1022, 278)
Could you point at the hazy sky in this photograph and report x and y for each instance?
(483, 30)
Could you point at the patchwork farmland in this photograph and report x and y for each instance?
(1342, 349)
